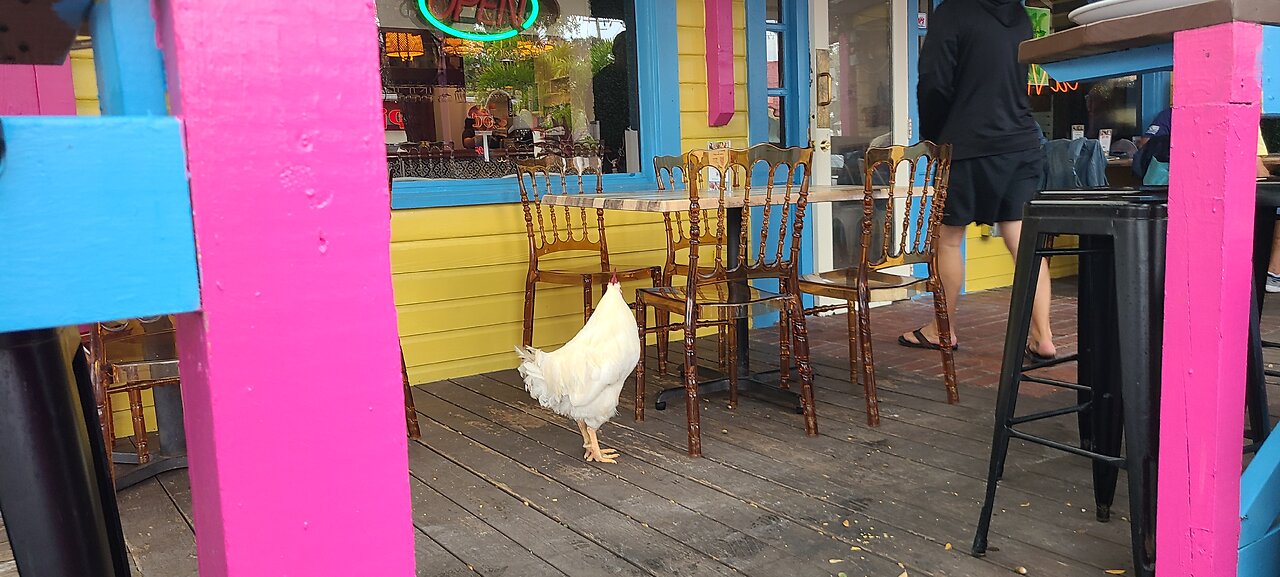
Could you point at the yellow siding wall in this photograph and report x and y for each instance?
(459, 283)
(85, 82)
(692, 47)
(988, 265)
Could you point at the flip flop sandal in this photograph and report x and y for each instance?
(1037, 357)
(921, 342)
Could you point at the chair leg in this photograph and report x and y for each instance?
(105, 418)
(410, 411)
(945, 339)
(722, 346)
(800, 334)
(663, 319)
(586, 299)
(530, 288)
(865, 359)
(641, 323)
(691, 402)
(733, 364)
(784, 350)
(854, 350)
(139, 426)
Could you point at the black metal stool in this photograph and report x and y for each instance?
(1121, 302)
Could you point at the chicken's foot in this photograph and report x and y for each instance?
(594, 453)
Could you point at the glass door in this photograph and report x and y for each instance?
(863, 59)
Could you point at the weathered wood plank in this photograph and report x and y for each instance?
(433, 561)
(469, 539)
(538, 534)
(759, 483)
(661, 504)
(157, 535)
(757, 519)
(642, 546)
(953, 497)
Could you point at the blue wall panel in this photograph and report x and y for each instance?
(95, 221)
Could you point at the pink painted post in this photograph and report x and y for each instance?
(291, 385)
(37, 90)
(720, 72)
(1211, 203)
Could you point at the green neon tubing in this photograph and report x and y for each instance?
(447, 29)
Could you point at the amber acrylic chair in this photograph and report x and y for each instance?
(671, 175)
(567, 231)
(410, 411)
(130, 357)
(717, 292)
(888, 244)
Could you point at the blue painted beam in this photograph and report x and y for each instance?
(1271, 70)
(95, 221)
(128, 62)
(1124, 63)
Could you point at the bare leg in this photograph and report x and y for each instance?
(1274, 266)
(951, 272)
(594, 453)
(1041, 340)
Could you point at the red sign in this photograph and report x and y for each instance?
(392, 116)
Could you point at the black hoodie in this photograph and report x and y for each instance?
(973, 91)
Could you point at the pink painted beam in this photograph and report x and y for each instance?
(720, 70)
(1211, 203)
(36, 90)
(290, 374)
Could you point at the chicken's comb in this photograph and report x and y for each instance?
(614, 280)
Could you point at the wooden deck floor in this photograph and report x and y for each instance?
(499, 486)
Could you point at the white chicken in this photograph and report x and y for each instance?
(582, 380)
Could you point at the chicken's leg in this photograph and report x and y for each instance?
(586, 440)
(594, 453)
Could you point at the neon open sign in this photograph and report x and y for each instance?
(507, 17)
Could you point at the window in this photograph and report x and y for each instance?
(862, 65)
(1114, 104)
(468, 93)
(777, 60)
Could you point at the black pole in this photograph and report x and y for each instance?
(59, 520)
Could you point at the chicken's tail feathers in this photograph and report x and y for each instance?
(531, 371)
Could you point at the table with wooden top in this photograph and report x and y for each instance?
(668, 201)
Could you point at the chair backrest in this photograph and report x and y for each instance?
(776, 179)
(558, 229)
(672, 175)
(897, 242)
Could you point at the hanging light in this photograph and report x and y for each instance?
(404, 45)
(531, 48)
(460, 47)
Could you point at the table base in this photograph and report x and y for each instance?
(711, 382)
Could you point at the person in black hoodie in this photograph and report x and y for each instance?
(973, 96)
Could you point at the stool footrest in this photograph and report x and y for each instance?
(1071, 358)
(1056, 383)
(1070, 251)
(1116, 461)
(1048, 414)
